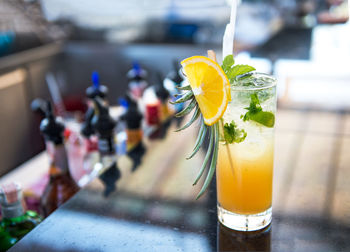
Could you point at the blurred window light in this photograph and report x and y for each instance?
(331, 43)
(109, 12)
(12, 78)
(320, 83)
(261, 65)
(324, 80)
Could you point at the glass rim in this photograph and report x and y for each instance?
(272, 84)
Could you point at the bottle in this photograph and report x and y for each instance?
(137, 82)
(16, 222)
(95, 91)
(61, 185)
(135, 147)
(6, 241)
(152, 107)
(104, 125)
(133, 119)
(75, 148)
(175, 75)
(91, 156)
(120, 129)
(163, 95)
(173, 80)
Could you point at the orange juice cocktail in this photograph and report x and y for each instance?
(245, 160)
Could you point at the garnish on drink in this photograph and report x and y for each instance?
(255, 113)
(208, 94)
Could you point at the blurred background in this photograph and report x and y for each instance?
(304, 43)
(49, 48)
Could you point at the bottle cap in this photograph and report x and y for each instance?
(96, 90)
(123, 102)
(11, 200)
(136, 73)
(39, 106)
(10, 194)
(52, 128)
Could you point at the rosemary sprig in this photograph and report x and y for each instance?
(214, 159)
(195, 116)
(200, 138)
(184, 97)
(212, 131)
(207, 156)
(188, 109)
(188, 87)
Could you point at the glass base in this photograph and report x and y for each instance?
(241, 222)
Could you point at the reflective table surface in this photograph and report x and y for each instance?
(154, 209)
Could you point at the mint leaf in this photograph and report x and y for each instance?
(228, 63)
(238, 70)
(265, 118)
(228, 136)
(232, 134)
(232, 71)
(255, 100)
(255, 113)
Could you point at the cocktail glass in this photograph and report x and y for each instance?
(245, 170)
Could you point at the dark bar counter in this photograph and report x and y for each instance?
(154, 209)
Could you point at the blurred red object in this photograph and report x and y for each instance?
(75, 103)
(153, 113)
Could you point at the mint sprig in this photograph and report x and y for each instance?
(232, 134)
(256, 113)
(233, 71)
(228, 62)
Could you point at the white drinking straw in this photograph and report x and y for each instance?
(227, 43)
(227, 49)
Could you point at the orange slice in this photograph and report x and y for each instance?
(209, 85)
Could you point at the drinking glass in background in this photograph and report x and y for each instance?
(245, 167)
